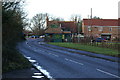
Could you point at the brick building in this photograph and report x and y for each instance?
(106, 28)
(59, 31)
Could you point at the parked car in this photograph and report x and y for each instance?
(34, 36)
(99, 40)
(43, 36)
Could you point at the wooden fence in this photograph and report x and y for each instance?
(108, 44)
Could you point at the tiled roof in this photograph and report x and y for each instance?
(101, 22)
(69, 24)
(72, 25)
(53, 30)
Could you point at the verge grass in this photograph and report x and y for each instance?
(94, 49)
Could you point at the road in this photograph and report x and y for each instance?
(63, 64)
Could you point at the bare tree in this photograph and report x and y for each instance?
(57, 19)
(75, 17)
(38, 23)
(95, 17)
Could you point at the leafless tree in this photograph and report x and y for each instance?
(75, 17)
(57, 19)
(38, 23)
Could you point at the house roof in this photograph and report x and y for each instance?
(53, 30)
(69, 24)
(72, 25)
(101, 22)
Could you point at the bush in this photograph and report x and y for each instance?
(12, 60)
(12, 27)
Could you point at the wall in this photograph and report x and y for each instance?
(96, 33)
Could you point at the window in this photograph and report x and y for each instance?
(100, 28)
(60, 25)
(89, 28)
(110, 28)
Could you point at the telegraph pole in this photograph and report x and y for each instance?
(78, 31)
(91, 13)
(91, 22)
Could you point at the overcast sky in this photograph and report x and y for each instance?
(106, 9)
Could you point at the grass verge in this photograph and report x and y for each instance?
(98, 50)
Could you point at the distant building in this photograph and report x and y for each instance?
(60, 31)
(106, 28)
(28, 33)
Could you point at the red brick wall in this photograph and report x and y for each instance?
(96, 33)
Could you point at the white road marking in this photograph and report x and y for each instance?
(26, 42)
(37, 73)
(108, 73)
(35, 50)
(33, 61)
(43, 71)
(40, 69)
(55, 55)
(74, 61)
(28, 58)
(83, 55)
(37, 76)
(49, 53)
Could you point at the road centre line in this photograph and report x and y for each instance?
(26, 42)
(54, 54)
(49, 53)
(35, 50)
(83, 55)
(107, 73)
(74, 61)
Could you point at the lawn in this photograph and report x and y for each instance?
(98, 50)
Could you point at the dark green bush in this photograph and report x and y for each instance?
(12, 27)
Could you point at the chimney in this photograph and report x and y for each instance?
(47, 21)
(91, 13)
(118, 21)
(75, 18)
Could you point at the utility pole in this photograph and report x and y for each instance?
(91, 22)
(78, 31)
(91, 13)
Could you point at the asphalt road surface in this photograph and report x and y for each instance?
(63, 64)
